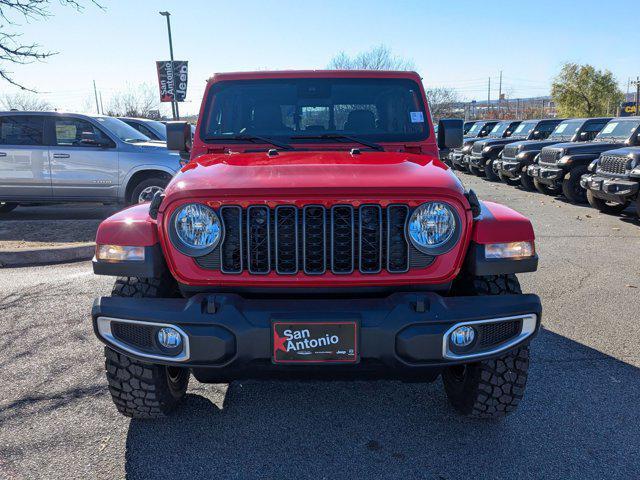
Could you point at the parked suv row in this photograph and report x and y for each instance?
(64, 157)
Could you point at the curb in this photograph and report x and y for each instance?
(46, 255)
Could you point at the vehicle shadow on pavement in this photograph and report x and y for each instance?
(577, 421)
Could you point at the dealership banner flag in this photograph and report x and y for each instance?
(172, 80)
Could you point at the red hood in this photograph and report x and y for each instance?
(331, 172)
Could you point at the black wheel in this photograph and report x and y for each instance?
(571, 188)
(526, 181)
(509, 181)
(475, 171)
(147, 188)
(611, 208)
(6, 207)
(638, 206)
(140, 389)
(489, 388)
(543, 188)
(488, 171)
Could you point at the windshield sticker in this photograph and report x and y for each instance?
(561, 128)
(417, 117)
(609, 127)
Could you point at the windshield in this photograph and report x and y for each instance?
(292, 110)
(499, 129)
(566, 129)
(124, 132)
(618, 129)
(473, 131)
(524, 129)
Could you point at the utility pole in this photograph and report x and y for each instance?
(637, 84)
(95, 92)
(488, 96)
(101, 106)
(174, 104)
(500, 95)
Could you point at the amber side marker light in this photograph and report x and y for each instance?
(119, 253)
(512, 250)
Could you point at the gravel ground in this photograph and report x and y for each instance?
(51, 226)
(578, 419)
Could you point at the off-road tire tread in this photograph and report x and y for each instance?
(139, 287)
(571, 182)
(140, 390)
(602, 206)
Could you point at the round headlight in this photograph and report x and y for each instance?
(196, 229)
(433, 228)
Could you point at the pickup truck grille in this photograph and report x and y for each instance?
(549, 156)
(510, 151)
(314, 240)
(614, 164)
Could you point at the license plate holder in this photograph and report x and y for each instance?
(314, 342)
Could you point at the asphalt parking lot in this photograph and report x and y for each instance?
(579, 418)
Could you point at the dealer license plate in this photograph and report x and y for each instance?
(315, 342)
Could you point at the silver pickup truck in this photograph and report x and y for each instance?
(51, 157)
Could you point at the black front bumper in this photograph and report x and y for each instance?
(548, 175)
(510, 168)
(477, 160)
(230, 337)
(612, 189)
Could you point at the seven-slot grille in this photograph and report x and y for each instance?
(614, 164)
(549, 155)
(314, 240)
(510, 151)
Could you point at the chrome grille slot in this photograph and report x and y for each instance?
(314, 230)
(342, 239)
(397, 246)
(231, 248)
(258, 239)
(549, 156)
(286, 239)
(370, 238)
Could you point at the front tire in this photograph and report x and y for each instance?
(475, 171)
(526, 181)
(508, 180)
(610, 208)
(490, 388)
(571, 188)
(543, 188)
(140, 389)
(489, 173)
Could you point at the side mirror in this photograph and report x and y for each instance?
(179, 136)
(450, 133)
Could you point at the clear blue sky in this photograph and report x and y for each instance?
(456, 44)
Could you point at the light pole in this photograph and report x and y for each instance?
(174, 104)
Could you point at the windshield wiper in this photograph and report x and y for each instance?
(338, 136)
(252, 139)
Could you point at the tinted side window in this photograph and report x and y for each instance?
(546, 128)
(594, 127)
(69, 132)
(21, 130)
(145, 131)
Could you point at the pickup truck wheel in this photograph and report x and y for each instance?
(489, 173)
(526, 181)
(475, 171)
(543, 188)
(6, 207)
(140, 389)
(146, 189)
(489, 388)
(611, 208)
(571, 188)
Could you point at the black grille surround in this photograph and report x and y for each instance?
(613, 164)
(314, 240)
(550, 156)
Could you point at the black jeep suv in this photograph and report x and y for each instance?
(561, 166)
(516, 157)
(485, 152)
(615, 180)
(479, 130)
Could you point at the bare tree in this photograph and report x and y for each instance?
(23, 101)
(376, 58)
(134, 101)
(12, 49)
(443, 101)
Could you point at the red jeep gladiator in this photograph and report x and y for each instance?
(314, 233)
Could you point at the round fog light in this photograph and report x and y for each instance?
(463, 336)
(169, 337)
